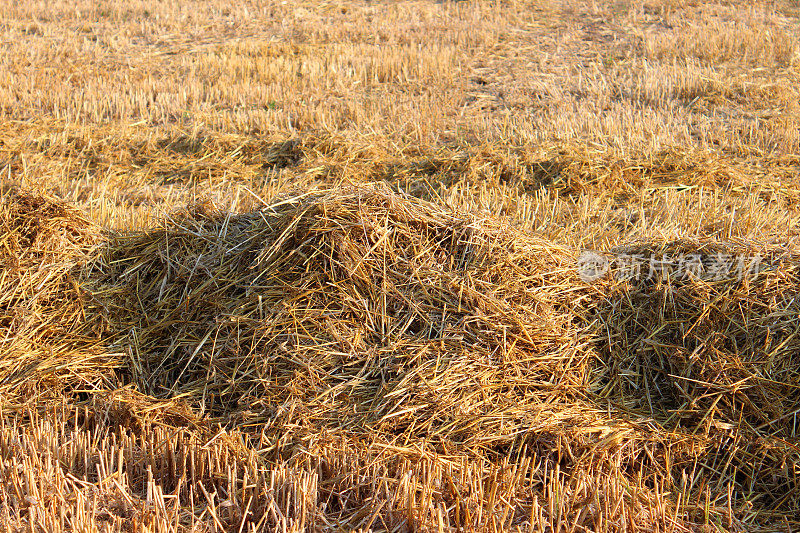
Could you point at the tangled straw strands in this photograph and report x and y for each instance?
(373, 359)
(715, 357)
(362, 309)
(43, 325)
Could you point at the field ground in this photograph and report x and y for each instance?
(313, 266)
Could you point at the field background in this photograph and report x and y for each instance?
(589, 125)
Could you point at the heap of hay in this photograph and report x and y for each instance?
(715, 354)
(362, 310)
(384, 343)
(358, 358)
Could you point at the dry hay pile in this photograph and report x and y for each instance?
(359, 358)
(715, 357)
(361, 310)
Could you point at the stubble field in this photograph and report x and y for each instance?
(317, 266)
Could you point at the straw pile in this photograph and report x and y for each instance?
(360, 310)
(358, 358)
(363, 335)
(715, 357)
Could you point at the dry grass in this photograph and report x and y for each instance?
(312, 266)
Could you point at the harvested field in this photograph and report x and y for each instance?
(400, 266)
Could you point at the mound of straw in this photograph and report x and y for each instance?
(714, 355)
(362, 359)
(360, 310)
